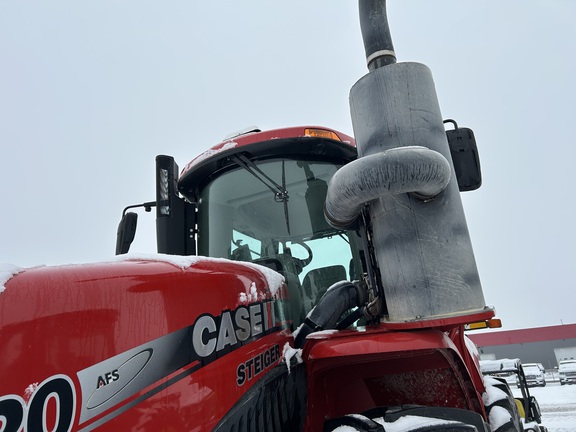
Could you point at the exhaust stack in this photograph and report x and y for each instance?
(411, 201)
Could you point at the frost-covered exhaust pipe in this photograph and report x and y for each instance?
(426, 266)
(417, 170)
(339, 298)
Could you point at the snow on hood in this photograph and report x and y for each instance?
(7, 271)
(274, 280)
(567, 365)
(502, 365)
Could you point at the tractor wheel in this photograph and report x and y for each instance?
(501, 407)
(409, 418)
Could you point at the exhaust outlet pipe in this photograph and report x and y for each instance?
(422, 248)
(376, 33)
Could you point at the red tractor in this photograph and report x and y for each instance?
(304, 280)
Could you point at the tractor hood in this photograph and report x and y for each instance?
(103, 334)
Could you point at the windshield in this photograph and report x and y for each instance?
(271, 213)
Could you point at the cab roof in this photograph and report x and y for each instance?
(313, 142)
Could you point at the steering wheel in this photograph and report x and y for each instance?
(304, 262)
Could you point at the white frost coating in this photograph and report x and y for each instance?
(321, 332)
(29, 391)
(345, 429)
(405, 423)
(498, 417)
(490, 380)
(324, 332)
(274, 280)
(251, 295)
(492, 394)
(183, 262)
(288, 352)
(297, 331)
(471, 347)
(501, 365)
(209, 153)
(411, 422)
(7, 271)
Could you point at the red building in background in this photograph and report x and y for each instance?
(546, 345)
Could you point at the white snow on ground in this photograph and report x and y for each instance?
(7, 271)
(558, 405)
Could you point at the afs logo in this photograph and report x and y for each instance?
(107, 378)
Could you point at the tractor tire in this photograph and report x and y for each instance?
(422, 419)
(502, 413)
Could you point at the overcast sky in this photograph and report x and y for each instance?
(91, 91)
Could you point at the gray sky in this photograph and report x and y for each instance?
(92, 91)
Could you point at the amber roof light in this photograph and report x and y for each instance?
(321, 133)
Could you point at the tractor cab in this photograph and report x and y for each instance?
(259, 197)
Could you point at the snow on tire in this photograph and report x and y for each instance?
(410, 419)
(500, 406)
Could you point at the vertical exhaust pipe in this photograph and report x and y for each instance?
(421, 243)
(376, 33)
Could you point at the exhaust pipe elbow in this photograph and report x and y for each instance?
(416, 170)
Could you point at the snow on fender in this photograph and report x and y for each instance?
(288, 352)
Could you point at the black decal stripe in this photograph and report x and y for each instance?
(136, 371)
(141, 398)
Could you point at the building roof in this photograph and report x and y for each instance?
(538, 334)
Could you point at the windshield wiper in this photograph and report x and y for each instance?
(280, 191)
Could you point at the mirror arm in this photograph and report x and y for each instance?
(147, 207)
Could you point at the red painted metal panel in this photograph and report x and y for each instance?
(131, 343)
(353, 371)
(256, 137)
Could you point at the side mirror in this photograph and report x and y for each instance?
(126, 232)
(465, 157)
